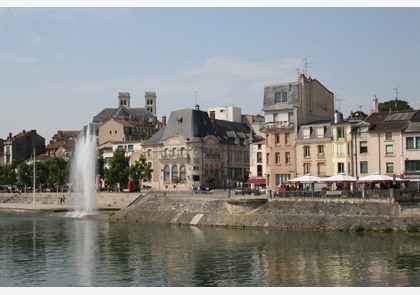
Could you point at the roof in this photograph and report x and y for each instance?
(391, 121)
(192, 124)
(412, 127)
(128, 114)
(187, 123)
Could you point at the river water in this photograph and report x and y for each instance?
(58, 251)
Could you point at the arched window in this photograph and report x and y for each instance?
(174, 171)
(183, 173)
(166, 173)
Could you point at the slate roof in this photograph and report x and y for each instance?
(194, 124)
(124, 113)
(394, 121)
(313, 134)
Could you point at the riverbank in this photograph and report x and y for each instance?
(219, 210)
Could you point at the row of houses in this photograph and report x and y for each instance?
(301, 132)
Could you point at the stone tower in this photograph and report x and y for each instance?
(150, 102)
(124, 99)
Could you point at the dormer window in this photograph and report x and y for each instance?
(306, 132)
(280, 97)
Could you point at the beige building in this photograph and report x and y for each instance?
(388, 143)
(193, 147)
(314, 150)
(286, 107)
(115, 130)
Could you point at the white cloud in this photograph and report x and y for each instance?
(18, 59)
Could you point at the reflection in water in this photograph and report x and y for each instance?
(57, 251)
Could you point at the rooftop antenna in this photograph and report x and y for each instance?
(305, 65)
(196, 97)
(338, 99)
(396, 96)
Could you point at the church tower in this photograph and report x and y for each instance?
(124, 99)
(150, 102)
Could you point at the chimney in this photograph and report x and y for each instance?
(10, 135)
(197, 107)
(24, 132)
(163, 121)
(213, 119)
(375, 105)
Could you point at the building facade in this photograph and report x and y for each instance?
(193, 146)
(286, 107)
(20, 147)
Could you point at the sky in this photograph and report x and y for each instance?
(61, 66)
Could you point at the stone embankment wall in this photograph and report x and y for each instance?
(291, 213)
(104, 200)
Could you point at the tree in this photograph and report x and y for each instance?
(140, 171)
(8, 174)
(118, 171)
(210, 180)
(394, 105)
(25, 173)
(57, 172)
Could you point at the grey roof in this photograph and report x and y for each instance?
(124, 113)
(413, 127)
(195, 124)
(187, 123)
(313, 135)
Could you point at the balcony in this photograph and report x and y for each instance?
(176, 156)
(275, 125)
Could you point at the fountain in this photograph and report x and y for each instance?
(82, 173)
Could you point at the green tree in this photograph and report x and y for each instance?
(118, 171)
(8, 175)
(25, 174)
(210, 180)
(140, 171)
(41, 173)
(57, 171)
(394, 105)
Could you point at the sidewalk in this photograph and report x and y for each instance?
(35, 207)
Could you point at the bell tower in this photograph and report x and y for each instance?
(150, 102)
(124, 99)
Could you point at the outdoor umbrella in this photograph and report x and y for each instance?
(307, 178)
(376, 177)
(341, 177)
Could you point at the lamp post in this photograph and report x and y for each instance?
(33, 188)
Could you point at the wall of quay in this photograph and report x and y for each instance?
(336, 214)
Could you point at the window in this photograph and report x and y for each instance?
(277, 158)
(173, 152)
(182, 152)
(174, 172)
(320, 151)
(363, 147)
(340, 132)
(306, 168)
(259, 170)
(287, 160)
(340, 150)
(277, 138)
(280, 97)
(389, 167)
(259, 157)
(389, 149)
(280, 178)
(183, 173)
(166, 173)
(149, 152)
(363, 167)
(267, 159)
(412, 165)
(130, 148)
(287, 138)
(306, 132)
(388, 135)
(412, 143)
(320, 132)
(306, 151)
(340, 167)
(259, 146)
(275, 116)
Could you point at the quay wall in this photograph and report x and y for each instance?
(339, 214)
(183, 208)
